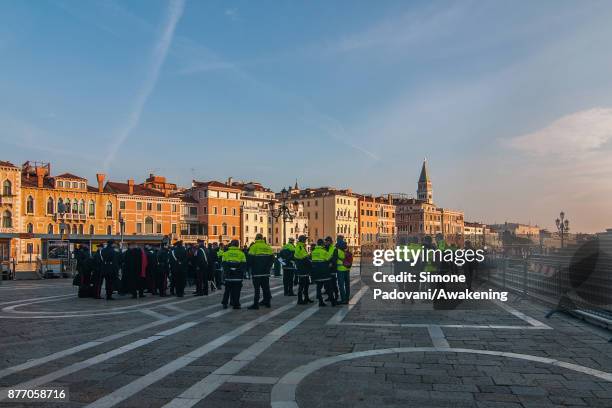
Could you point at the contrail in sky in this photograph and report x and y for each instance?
(175, 11)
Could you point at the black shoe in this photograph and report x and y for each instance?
(253, 307)
(301, 302)
(110, 298)
(262, 303)
(322, 304)
(268, 305)
(224, 305)
(237, 307)
(309, 301)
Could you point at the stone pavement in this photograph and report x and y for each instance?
(173, 352)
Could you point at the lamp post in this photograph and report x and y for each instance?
(284, 212)
(121, 227)
(562, 226)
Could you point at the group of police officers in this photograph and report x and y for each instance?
(158, 271)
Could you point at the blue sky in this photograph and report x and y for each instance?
(511, 102)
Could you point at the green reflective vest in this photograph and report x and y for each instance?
(340, 262)
(233, 254)
(260, 247)
(320, 254)
(300, 251)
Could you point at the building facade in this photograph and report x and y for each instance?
(330, 212)
(218, 209)
(10, 209)
(143, 211)
(256, 203)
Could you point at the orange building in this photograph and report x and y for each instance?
(367, 219)
(218, 209)
(58, 207)
(143, 211)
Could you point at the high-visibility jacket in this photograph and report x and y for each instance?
(340, 261)
(320, 264)
(233, 261)
(261, 258)
(302, 260)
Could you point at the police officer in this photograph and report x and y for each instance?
(83, 267)
(162, 269)
(233, 262)
(178, 261)
(201, 269)
(302, 262)
(260, 260)
(333, 261)
(321, 274)
(343, 272)
(287, 253)
(109, 261)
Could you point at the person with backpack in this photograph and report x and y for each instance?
(344, 261)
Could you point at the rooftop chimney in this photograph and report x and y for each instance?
(40, 176)
(229, 181)
(131, 186)
(100, 177)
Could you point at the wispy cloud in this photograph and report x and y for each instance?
(571, 135)
(175, 11)
(232, 13)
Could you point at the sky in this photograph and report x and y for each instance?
(510, 102)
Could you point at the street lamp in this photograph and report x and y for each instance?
(562, 226)
(121, 227)
(284, 212)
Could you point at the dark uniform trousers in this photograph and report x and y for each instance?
(179, 273)
(232, 292)
(162, 280)
(329, 289)
(202, 280)
(303, 286)
(263, 283)
(288, 274)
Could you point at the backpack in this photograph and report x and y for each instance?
(347, 262)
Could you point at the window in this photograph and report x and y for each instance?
(224, 212)
(60, 184)
(109, 230)
(50, 229)
(159, 207)
(139, 228)
(50, 206)
(67, 205)
(60, 206)
(75, 184)
(91, 230)
(122, 205)
(193, 211)
(138, 206)
(74, 229)
(92, 208)
(233, 211)
(30, 229)
(7, 219)
(61, 229)
(174, 228)
(149, 206)
(224, 229)
(158, 228)
(82, 207)
(215, 230)
(109, 209)
(215, 210)
(173, 207)
(234, 230)
(149, 225)
(81, 229)
(30, 205)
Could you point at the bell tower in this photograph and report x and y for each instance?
(424, 190)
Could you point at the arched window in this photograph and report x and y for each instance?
(61, 229)
(30, 205)
(92, 208)
(7, 219)
(50, 229)
(74, 229)
(60, 206)
(109, 230)
(82, 207)
(50, 206)
(109, 209)
(67, 206)
(30, 228)
(75, 206)
(7, 188)
(81, 229)
(91, 229)
(148, 225)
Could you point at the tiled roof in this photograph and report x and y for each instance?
(32, 181)
(7, 164)
(214, 183)
(123, 188)
(70, 176)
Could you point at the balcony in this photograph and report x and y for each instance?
(69, 217)
(7, 199)
(193, 238)
(5, 230)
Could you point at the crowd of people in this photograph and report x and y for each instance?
(167, 270)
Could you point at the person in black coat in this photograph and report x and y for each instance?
(162, 270)
(132, 269)
(201, 269)
(178, 262)
(109, 261)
